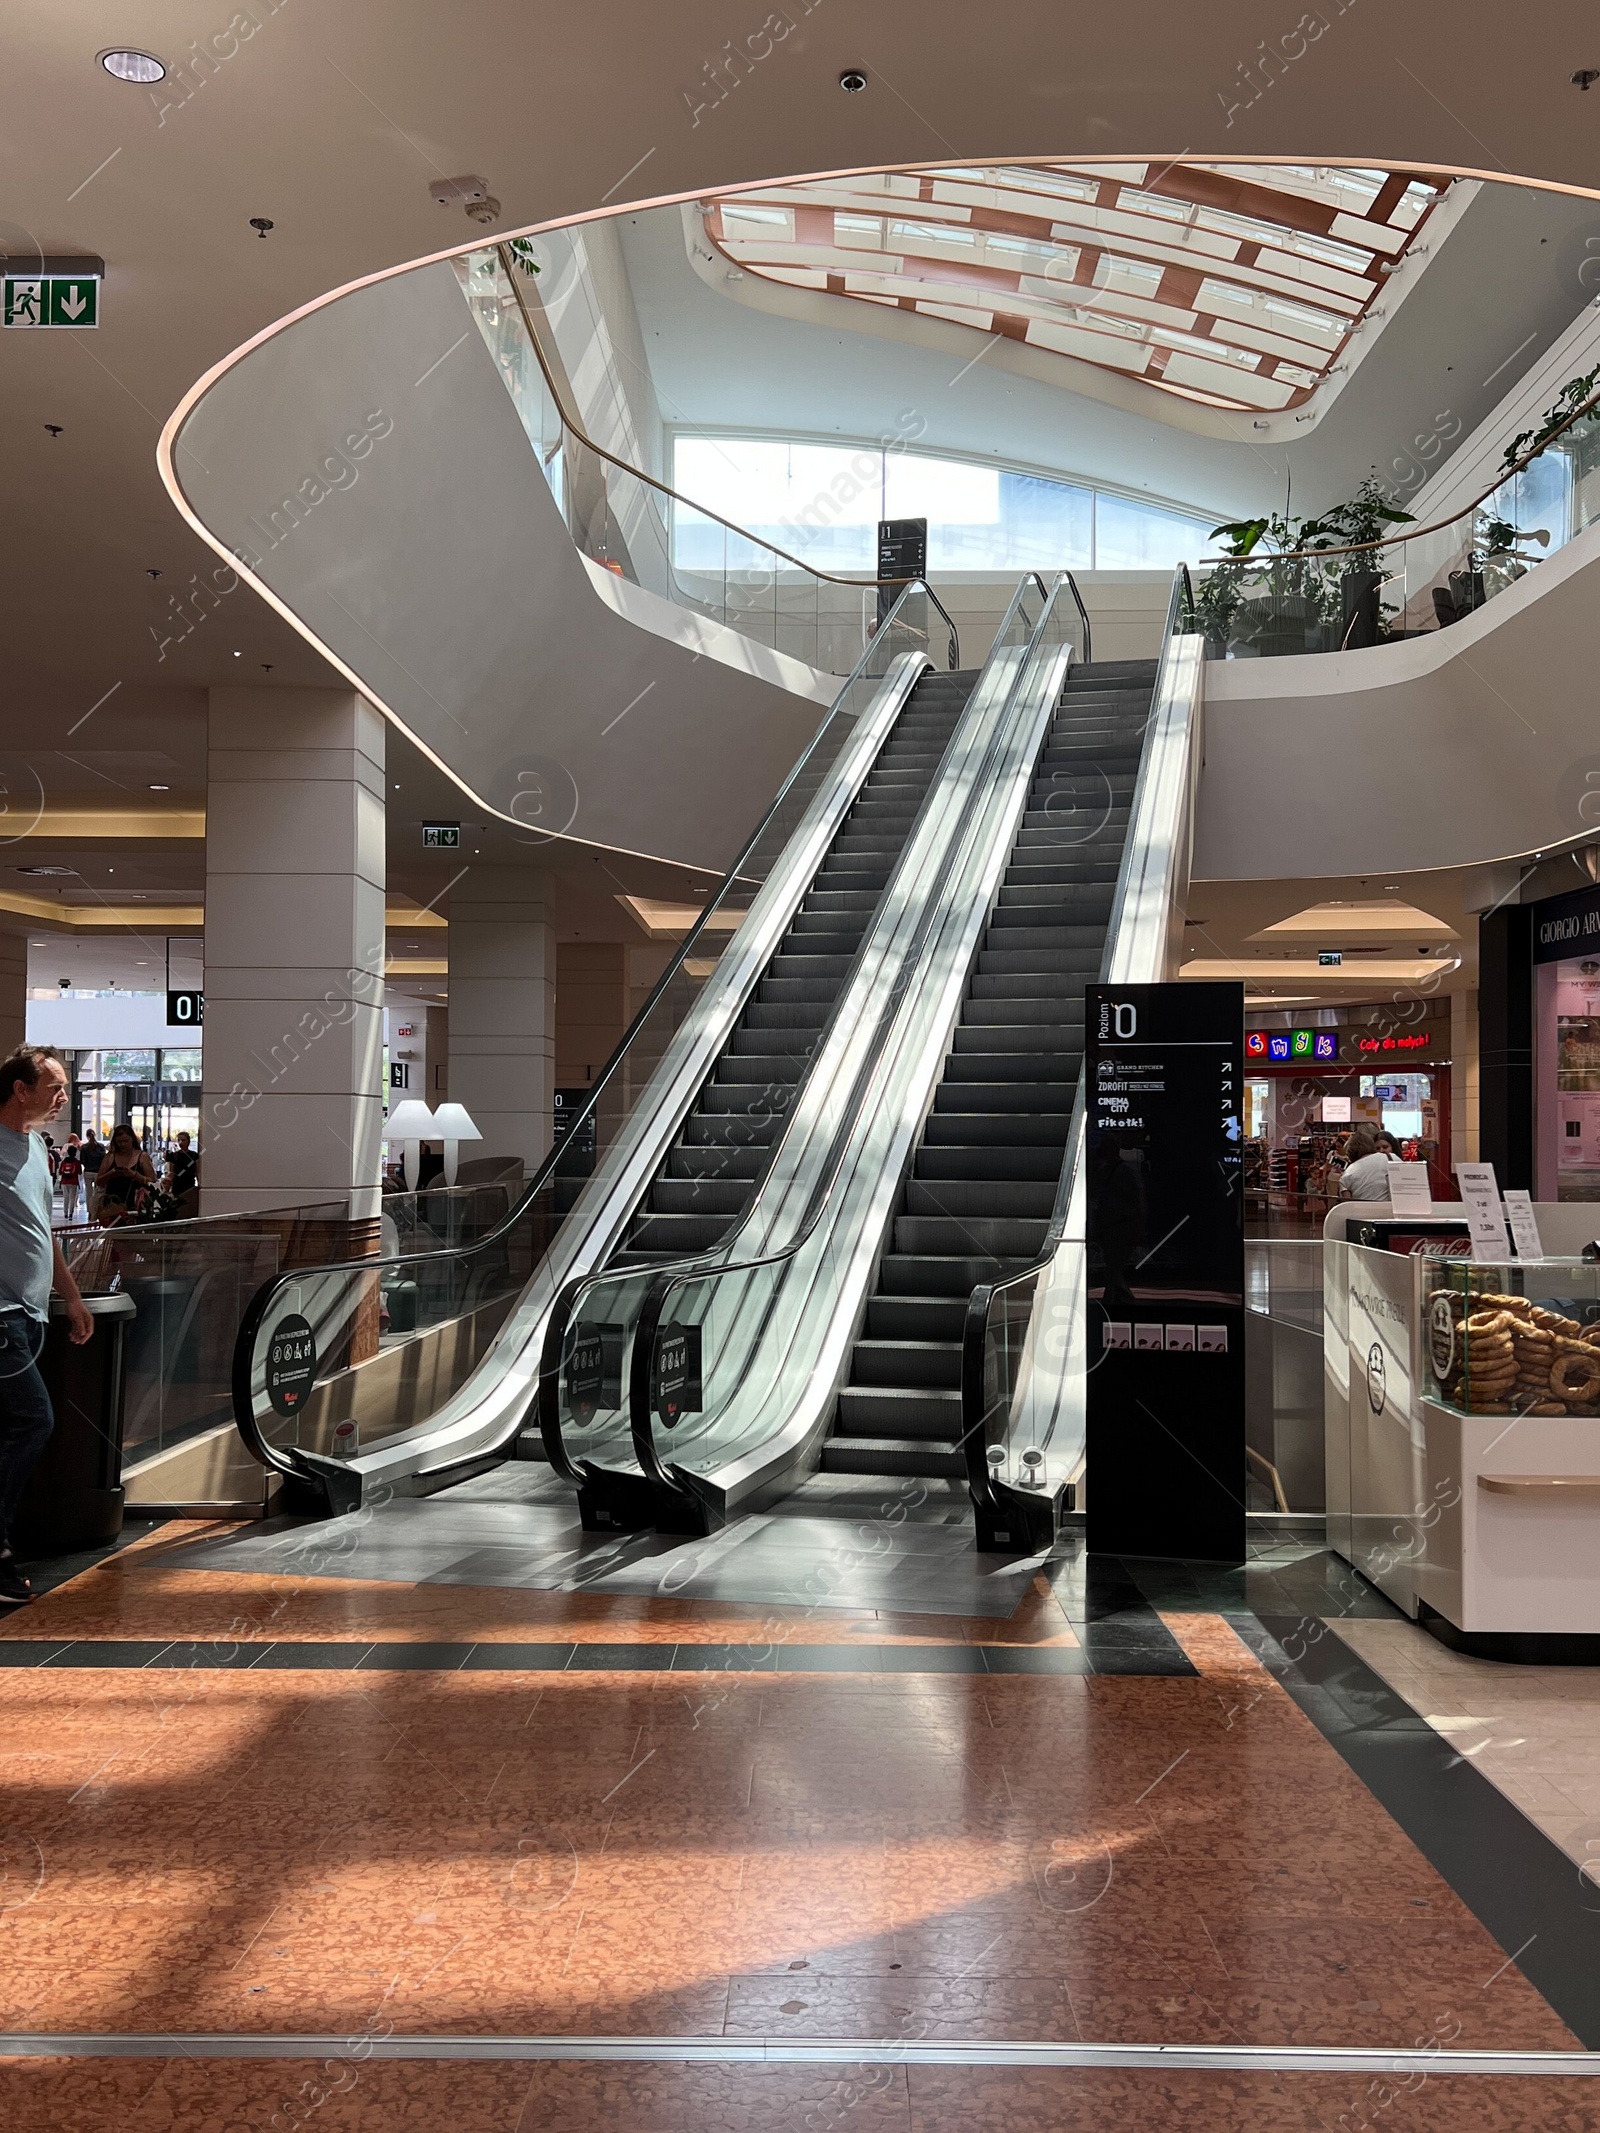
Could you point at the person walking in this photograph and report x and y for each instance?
(69, 1175)
(33, 1087)
(124, 1179)
(94, 1155)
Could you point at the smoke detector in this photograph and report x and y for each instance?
(470, 192)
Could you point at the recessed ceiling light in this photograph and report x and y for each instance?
(161, 788)
(238, 655)
(132, 66)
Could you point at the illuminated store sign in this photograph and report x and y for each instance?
(1284, 1046)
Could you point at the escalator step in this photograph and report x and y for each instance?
(991, 1198)
(940, 1274)
(1032, 1162)
(934, 1236)
(884, 1455)
(879, 1411)
(955, 1128)
(916, 1318)
(922, 1363)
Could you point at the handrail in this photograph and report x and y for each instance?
(674, 1274)
(243, 1405)
(569, 421)
(980, 1480)
(1417, 533)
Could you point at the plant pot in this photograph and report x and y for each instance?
(1360, 593)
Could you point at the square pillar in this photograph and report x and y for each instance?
(13, 992)
(591, 1008)
(294, 952)
(502, 1008)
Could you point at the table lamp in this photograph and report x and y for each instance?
(408, 1125)
(452, 1125)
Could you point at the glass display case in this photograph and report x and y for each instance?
(1518, 1338)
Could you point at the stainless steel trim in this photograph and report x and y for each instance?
(359, 2045)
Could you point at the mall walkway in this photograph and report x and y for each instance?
(302, 1806)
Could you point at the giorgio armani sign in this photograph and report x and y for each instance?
(1566, 925)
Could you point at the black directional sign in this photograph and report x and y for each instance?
(1164, 1155)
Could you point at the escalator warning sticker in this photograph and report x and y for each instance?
(291, 1364)
(677, 1373)
(594, 1369)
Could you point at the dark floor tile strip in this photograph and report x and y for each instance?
(1520, 1886)
(1116, 1651)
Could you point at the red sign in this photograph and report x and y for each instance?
(1255, 1043)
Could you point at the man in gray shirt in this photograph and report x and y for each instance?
(33, 1087)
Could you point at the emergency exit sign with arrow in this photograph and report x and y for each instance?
(57, 292)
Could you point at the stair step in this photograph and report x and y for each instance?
(934, 1236)
(954, 1128)
(698, 1196)
(916, 1318)
(1038, 1162)
(989, 1199)
(907, 1363)
(942, 1274)
(886, 1411)
(861, 1455)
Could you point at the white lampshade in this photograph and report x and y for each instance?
(410, 1120)
(451, 1123)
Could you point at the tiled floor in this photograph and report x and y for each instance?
(394, 1838)
(1533, 1731)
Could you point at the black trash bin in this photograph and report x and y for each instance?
(74, 1497)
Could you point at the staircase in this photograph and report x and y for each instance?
(709, 1174)
(977, 1201)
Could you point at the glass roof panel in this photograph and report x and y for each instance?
(1239, 283)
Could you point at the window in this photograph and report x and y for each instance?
(822, 503)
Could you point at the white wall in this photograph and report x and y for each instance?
(1466, 745)
(437, 570)
(128, 1022)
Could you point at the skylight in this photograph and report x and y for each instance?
(1149, 269)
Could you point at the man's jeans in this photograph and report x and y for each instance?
(26, 1419)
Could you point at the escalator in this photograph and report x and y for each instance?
(704, 1186)
(976, 1204)
(845, 1165)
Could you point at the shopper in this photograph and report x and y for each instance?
(183, 1168)
(1366, 1165)
(93, 1156)
(33, 1087)
(123, 1184)
(69, 1175)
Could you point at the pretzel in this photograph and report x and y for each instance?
(1576, 1377)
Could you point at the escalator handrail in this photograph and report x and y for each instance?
(258, 1445)
(1180, 607)
(674, 1274)
(569, 422)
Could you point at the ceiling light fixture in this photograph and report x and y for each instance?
(161, 788)
(852, 81)
(123, 64)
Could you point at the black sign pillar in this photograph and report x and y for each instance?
(902, 553)
(1164, 1081)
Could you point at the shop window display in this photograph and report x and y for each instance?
(1569, 1080)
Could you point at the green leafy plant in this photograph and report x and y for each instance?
(1573, 396)
(1498, 541)
(1367, 516)
(521, 250)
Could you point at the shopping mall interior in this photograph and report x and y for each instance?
(728, 738)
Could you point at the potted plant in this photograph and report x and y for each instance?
(1279, 615)
(1363, 520)
(1215, 606)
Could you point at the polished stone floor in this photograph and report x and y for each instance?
(1139, 1808)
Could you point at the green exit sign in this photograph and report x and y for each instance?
(441, 836)
(52, 300)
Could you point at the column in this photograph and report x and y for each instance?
(294, 948)
(13, 992)
(1464, 1076)
(591, 1008)
(502, 1008)
(436, 1056)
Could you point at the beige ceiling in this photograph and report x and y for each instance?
(332, 122)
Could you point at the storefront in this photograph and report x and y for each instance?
(156, 1092)
(1308, 1080)
(1566, 1047)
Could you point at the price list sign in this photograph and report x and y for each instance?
(1164, 1085)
